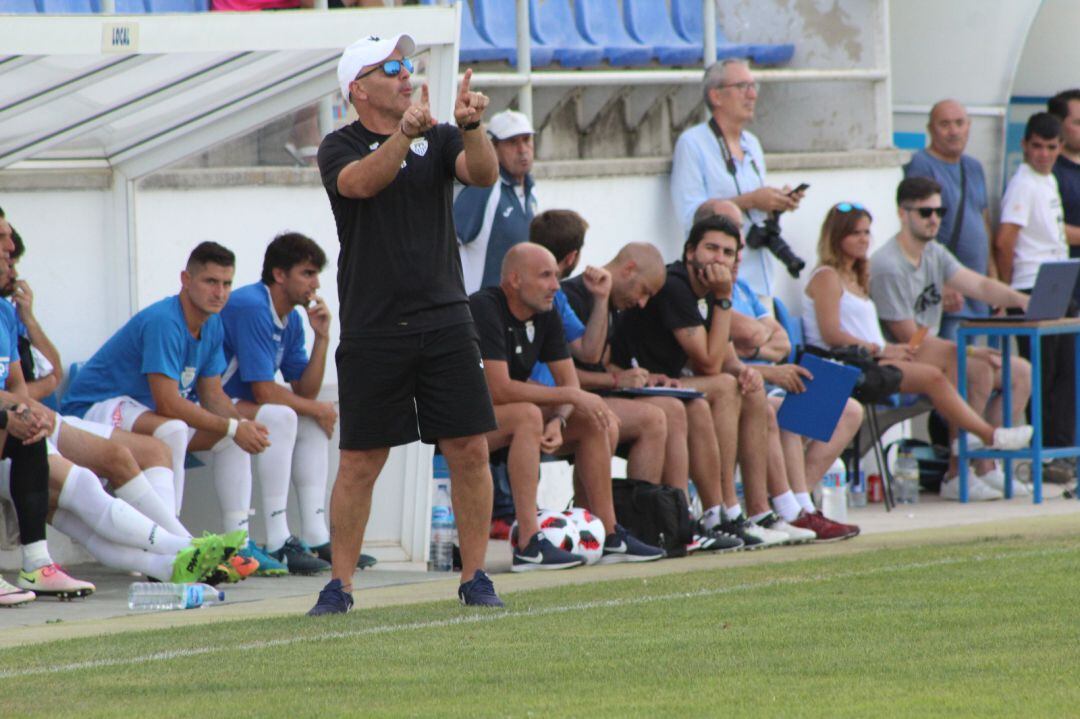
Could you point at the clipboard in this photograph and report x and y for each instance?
(684, 393)
(815, 412)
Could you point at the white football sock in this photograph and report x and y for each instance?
(232, 479)
(139, 493)
(805, 502)
(114, 555)
(787, 506)
(174, 433)
(310, 461)
(273, 466)
(711, 517)
(733, 513)
(113, 518)
(35, 555)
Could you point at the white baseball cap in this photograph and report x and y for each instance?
(509, 123)
(368, 51)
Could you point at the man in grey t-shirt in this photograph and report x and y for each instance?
(908, 277)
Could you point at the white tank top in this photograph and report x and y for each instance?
(858, 317)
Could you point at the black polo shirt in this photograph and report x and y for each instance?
(646, 335)
(506, 338)
(399, 272)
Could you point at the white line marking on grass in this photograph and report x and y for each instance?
(491, 616)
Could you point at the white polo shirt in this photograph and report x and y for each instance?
(1033, 202)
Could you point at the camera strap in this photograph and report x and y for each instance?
(725, 153)
(955, 237)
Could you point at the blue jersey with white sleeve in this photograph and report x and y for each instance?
(155, 341)
(9, 340)
(258, 343)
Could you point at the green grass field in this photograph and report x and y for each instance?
(984, 628)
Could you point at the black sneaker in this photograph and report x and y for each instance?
(541, 554)
(715, 540)
(299, 558)
(621, 546)
(332, 600)
(322, 551)
(479, 592)
(737, 528)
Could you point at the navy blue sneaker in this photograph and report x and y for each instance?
(479, 592)
(366, 561)
(332, 600)
(542, 554)
(621, 546)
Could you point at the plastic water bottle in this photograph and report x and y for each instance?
(441, 554)
(906, 478)
(834, 492)
(857, 490)
(152, 596)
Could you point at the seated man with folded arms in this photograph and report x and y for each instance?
(909, 276)
(759, 338)
(688, 325)
(160, 375)
(518, 327)
(264, 335)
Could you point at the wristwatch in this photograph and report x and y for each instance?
(470, 126)
(723, 303)
(3, 418)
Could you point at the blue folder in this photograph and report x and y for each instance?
(815, 412)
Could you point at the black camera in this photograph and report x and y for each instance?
(767, 235)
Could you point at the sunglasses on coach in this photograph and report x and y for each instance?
(925, 212)
(392, 68)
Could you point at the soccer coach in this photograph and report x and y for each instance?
(408, 362)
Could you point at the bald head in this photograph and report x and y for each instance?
(523, 255)
(724, 208)
(948, 127)
(637, 273)
(530, 279)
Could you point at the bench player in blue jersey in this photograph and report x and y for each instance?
(160, 375)
(264, 335)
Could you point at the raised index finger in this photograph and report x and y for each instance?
(424, 95)
(464, 89)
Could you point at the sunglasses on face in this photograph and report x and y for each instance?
(925, 212)
(849, 206)
(392, 68)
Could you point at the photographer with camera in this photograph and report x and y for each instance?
(719, 159)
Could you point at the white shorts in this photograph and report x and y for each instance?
(104, 431)
(120, 412)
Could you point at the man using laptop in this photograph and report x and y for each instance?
(908, 277)
(1032, 232)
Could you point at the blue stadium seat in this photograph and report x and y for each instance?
(70, 7)
(792, 324)
(496, 21)
(18, 7)
(473, 47)
(130, 7)
(648, 23)
(600, 22)
(177, 6)
(686, 15)
(552, 23)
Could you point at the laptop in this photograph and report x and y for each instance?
(1051, 294)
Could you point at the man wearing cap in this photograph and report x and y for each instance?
(491, 220)
(408, 362)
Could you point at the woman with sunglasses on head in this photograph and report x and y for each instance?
(838, 312)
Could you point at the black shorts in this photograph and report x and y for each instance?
(427, 386)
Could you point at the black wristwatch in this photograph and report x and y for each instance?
(723, 303)
(470, 126)
(3, 418)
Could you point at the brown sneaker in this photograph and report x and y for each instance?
(825, 529)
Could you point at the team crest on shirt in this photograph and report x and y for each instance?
(373, 146)
(530, 331)
(419, 146)
(703, 308)
(187, 377)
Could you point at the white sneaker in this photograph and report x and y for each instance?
(796, 535)
(977, 490)
(1012, 437)
(995, 479)
(768, 537)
